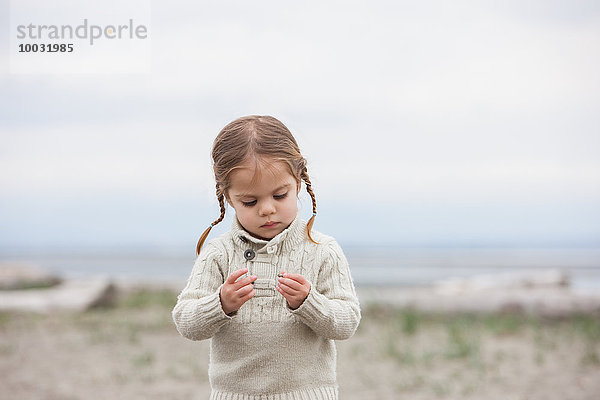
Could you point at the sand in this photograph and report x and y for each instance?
(132, 351)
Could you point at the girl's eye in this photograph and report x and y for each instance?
(280, 196)
(249, 203)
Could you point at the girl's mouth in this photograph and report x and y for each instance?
(269, 224)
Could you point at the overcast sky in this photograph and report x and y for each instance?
(424, 123)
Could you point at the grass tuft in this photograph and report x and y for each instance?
(145, 298)
(143, 360)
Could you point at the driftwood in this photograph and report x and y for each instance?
(540, 302)
(508, 280)
(541, 293)
(19, 276)
(72, 295)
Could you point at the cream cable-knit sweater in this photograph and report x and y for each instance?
(266, 350)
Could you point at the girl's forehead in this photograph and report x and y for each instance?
(253, 174)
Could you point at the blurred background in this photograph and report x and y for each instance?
(453, 149)
(443, 138)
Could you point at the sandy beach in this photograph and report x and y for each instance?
(132, 351)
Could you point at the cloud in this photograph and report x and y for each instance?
(391, 103)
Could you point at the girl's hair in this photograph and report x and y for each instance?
(255, 138)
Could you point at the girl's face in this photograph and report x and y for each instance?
(264, 202)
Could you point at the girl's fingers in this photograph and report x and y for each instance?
(296, 277)
(246, 281)
(248, 295)
(283, 292)
(290, 283)
(286, 289)
(294, 301)
(235, 275)
(244, 290)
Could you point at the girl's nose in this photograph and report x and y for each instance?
(267, 208)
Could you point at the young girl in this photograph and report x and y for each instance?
(271, 294)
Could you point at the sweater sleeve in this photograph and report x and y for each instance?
(331, 309)
(198, 314)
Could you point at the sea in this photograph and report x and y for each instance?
(370, 266)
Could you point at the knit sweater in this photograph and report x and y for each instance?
(266, 350)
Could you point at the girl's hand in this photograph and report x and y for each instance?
(233, 294)
(294, 288)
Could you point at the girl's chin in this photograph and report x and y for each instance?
(262, 237)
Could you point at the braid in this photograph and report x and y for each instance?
(311, 221)
(221, 199)
(204, 235)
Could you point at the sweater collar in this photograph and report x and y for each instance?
(288, 239)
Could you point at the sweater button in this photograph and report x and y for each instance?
(249, 254)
